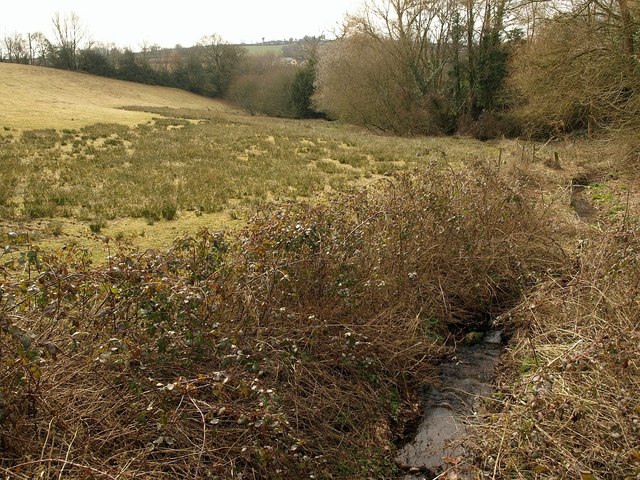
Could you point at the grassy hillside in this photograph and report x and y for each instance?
(36, 97)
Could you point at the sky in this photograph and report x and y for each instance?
(130, 23)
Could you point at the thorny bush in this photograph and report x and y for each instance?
(291, 350)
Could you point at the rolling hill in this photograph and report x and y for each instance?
(70, 100)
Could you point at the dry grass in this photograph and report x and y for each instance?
(211, 171)
(567, 403)
(37, 98)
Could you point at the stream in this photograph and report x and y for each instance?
(464, 378)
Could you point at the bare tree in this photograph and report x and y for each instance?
(69, 37)
(16, 48)
(580, 72)
(449, 55)
(414, 32)
(39, 48)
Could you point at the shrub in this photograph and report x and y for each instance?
(97, 225)
(169, 211)
(492, 125)
(267, 92)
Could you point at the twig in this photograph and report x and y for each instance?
(204, 436)
(504, 432)
(11, 474)
(46, 440)
(626, 212)
(66, 457)
(551, 362)
(67, 462)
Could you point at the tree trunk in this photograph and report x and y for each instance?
(627, 27)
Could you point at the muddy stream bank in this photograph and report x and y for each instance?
(448, 406)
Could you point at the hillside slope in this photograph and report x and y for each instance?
(37, 97)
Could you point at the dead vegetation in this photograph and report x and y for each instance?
(287, 352)
(294, 348)
(568, 405)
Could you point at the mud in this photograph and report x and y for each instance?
(448, 406)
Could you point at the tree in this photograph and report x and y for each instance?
(397, 51)
(263, 84)
(69, 37)
(580, 71)
(189, 73)
(302, 90)
(450, 57)
(135, 68)
(303, 85)
(93, 60)
(39, 48)
(491, 58)
(16, 48)
(359, 82)
(219, 61)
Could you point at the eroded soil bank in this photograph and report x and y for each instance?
(464, 379)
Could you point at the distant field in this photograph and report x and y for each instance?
(36, 97)
(264, 49)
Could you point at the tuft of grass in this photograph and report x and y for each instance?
(54, 228)
(169, 211)
(45, 138)
(97, 225)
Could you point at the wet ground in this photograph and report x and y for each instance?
(583, 208)
(464, 379)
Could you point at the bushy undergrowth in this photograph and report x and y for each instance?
(286, 352)
(569, 407)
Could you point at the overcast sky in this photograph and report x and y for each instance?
(129, 23)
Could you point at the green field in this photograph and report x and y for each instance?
(264, 49)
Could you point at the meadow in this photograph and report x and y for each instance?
(187, 291)
(147, 174)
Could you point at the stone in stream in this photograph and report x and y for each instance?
(464, 379)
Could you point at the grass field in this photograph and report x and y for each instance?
(175, 169)
(171, 161)
(136, 341)
(264, 49)
(36, 98)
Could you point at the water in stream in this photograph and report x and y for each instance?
(464, 379)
